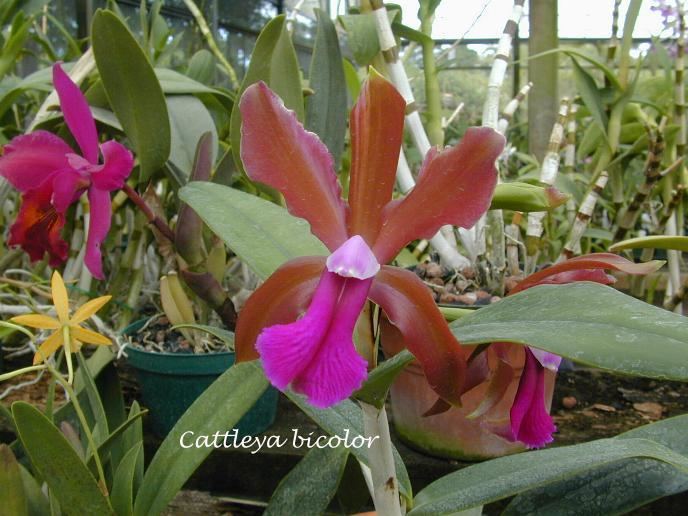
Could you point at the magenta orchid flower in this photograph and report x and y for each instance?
(300, 321)
(51, 177)
(530, 422)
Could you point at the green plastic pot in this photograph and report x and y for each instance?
(171, 382)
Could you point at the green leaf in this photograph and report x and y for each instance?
(326, 109)
(261, 233)
(274, 62)
(219, 407)
(346, 417)
(122, 496)
(604, 328)
(100, 430)
(518, 196)
(305, 492)
(201, 66)
(353, 82)
(12, 496)
(54, 458)
(362, 40)
(499, 478)
(132, 436)
(374, 390)
(587, 88)
(404, 31)
(679, 243)
(133, 90)
(189, 120)
(175, 83)
(615, 488)
(38, 504)
(15, 42)
(112, 440)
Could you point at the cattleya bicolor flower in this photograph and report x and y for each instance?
(51, 177)
(530, 422)
(300, 321)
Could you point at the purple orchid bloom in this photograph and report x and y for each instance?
(530, 422)
(300, 321)
(51, 177)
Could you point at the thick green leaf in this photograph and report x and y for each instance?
(603, 328)
(133, 90)
(100, 429)
(615, 488)
(112, 440)
(219, 407)
(132, 436)
(309, 487)
(518, 196)
(679, 243)
(274, 62)
(189, 120)
(175, 83)
(38, 504)
(353, 82)
(500, 478)
(374, 390)
(122, 496)
(347, 417)
(54, 458)
(363, 40)
(326, 109)
(261, 233)
(12, 496)
(587, 88)
(201, 66)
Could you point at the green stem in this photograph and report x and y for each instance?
(68, 354)
(433, 120)
(21, 371)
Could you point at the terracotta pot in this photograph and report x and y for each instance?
(451, 434)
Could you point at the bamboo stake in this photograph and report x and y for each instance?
(491, 119)
(513, 237)
(652, 176)
(511, 107)
(583, 218)
(448, 254)
(548, 175)
(673, 296)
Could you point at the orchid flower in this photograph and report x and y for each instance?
(51, 177)
(300, 321)
(530, 422)
(67, 331)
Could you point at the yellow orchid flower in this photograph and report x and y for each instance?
(67, 330)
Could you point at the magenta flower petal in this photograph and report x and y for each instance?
(68, 185)
(337, 370)
(530, 422)
(118, 162)
(286, 349)
(353, 259)
(77, 114)
(547, 360)
(101, 213)
(28, 160)
(316, 354)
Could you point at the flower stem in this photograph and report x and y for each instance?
(18, 372)
(384, 478)
(160, 224)
(68, 354)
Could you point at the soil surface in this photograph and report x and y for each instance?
(157, 335)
